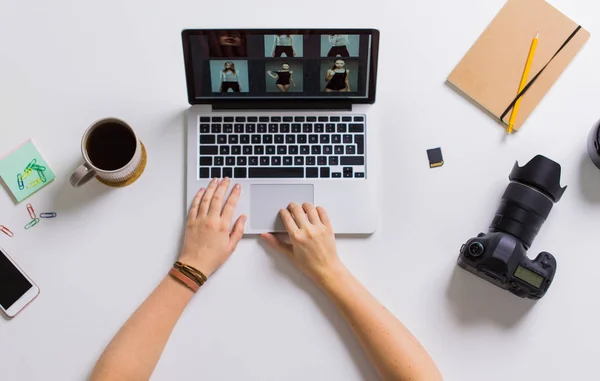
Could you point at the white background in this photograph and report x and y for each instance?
(64, 64)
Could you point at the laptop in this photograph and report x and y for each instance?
(284, 114)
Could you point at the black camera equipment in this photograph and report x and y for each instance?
(593, 145)
(500, 256)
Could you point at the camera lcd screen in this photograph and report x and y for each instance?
(13, 285)
(281, 64)
(529, 276)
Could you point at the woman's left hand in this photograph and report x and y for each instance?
(209, 239)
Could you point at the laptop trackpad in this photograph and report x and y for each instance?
(267, 200)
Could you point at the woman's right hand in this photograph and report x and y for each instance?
(210, 234)
(312, 247)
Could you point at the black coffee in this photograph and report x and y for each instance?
(111, 146)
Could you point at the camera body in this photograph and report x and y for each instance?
(502, 260)
(500, 256)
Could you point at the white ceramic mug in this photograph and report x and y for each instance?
(111, 151)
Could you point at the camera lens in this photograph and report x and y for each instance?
(528, 199)
(593, 146)
(476, 249)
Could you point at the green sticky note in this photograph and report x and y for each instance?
(24, 171)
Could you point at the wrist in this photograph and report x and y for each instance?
(177, 289)
(328, 278)
(197, 261)
(187, 275)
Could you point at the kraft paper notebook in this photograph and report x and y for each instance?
(489, 74)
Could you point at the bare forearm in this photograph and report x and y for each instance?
(393, 350)
(135, 350)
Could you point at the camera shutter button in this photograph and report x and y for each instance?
(545, 264)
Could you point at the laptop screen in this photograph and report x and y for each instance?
(277, 64)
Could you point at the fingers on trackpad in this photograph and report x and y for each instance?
(267, 200)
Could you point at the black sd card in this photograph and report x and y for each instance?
(435, 157)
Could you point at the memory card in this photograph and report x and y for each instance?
(435, 157)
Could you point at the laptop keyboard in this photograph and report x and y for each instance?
(264, 147)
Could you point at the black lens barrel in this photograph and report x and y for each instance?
(522, 212)
(528, 199)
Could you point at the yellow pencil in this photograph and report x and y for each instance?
(524, 78)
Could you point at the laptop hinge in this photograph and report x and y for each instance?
(283, 105)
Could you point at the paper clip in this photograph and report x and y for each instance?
(38, 168)
(31, 164)
(20, 182)
(31, 212)
(32, 223)
(48, 215)
(34, 183)
(6, 231)
(26, 173)
(42, 176)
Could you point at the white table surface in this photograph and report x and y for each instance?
(64, 64)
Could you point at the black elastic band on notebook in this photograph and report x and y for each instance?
(512, 104)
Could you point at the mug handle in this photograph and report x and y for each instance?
(82, 175)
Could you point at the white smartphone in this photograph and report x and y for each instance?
(17, 290)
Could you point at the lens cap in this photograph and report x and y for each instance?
(542, 174)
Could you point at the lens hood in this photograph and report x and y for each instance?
(542, 174)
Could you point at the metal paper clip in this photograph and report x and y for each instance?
(26, 173)
(32, 223)
(42, 176)
(34, 183)
(31, 164)
(6, 231)
(31, 212)
(48, 215)
(20, 182)
(38, 168)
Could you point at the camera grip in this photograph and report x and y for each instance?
(545, 266)
(546, 261)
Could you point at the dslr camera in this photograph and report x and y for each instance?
(500, 256)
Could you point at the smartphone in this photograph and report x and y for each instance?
(17, 290)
